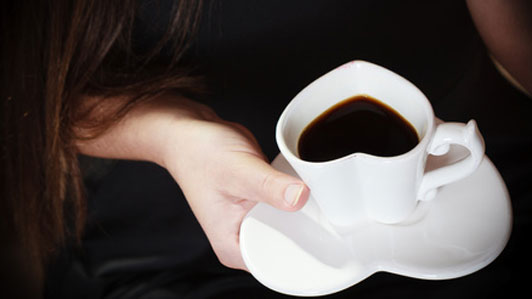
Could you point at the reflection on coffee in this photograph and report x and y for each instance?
(358, 124)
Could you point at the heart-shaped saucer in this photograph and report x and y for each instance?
(461, 231)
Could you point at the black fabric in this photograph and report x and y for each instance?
(142, 240)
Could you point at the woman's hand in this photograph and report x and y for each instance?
(218, 164)
(223, 174)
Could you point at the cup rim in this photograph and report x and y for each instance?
(420, 146)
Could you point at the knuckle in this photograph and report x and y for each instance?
(268, 185)
(225, 259)
(267, 181)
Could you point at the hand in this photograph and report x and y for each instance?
(223, 174)
(218, 164)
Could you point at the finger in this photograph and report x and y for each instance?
(263, 183)
(228, 253)
(224, 233)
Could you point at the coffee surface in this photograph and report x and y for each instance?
(358, 124)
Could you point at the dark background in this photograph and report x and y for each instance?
(142, 240)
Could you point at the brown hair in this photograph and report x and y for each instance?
(53, 54)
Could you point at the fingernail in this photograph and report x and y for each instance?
(293, 194)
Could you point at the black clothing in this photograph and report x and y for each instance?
(142, 240)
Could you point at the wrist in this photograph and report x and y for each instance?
(147, 131)
(176, 129)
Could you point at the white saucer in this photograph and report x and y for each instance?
(461, 231)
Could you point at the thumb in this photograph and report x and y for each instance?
(263, 183)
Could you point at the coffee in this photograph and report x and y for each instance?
(358, 124)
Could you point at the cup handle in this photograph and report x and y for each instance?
(445, 135)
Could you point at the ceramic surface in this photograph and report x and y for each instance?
(461, 231)
(358, 185)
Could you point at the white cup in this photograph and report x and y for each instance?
(361, 186)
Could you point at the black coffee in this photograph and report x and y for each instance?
(358, 124)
